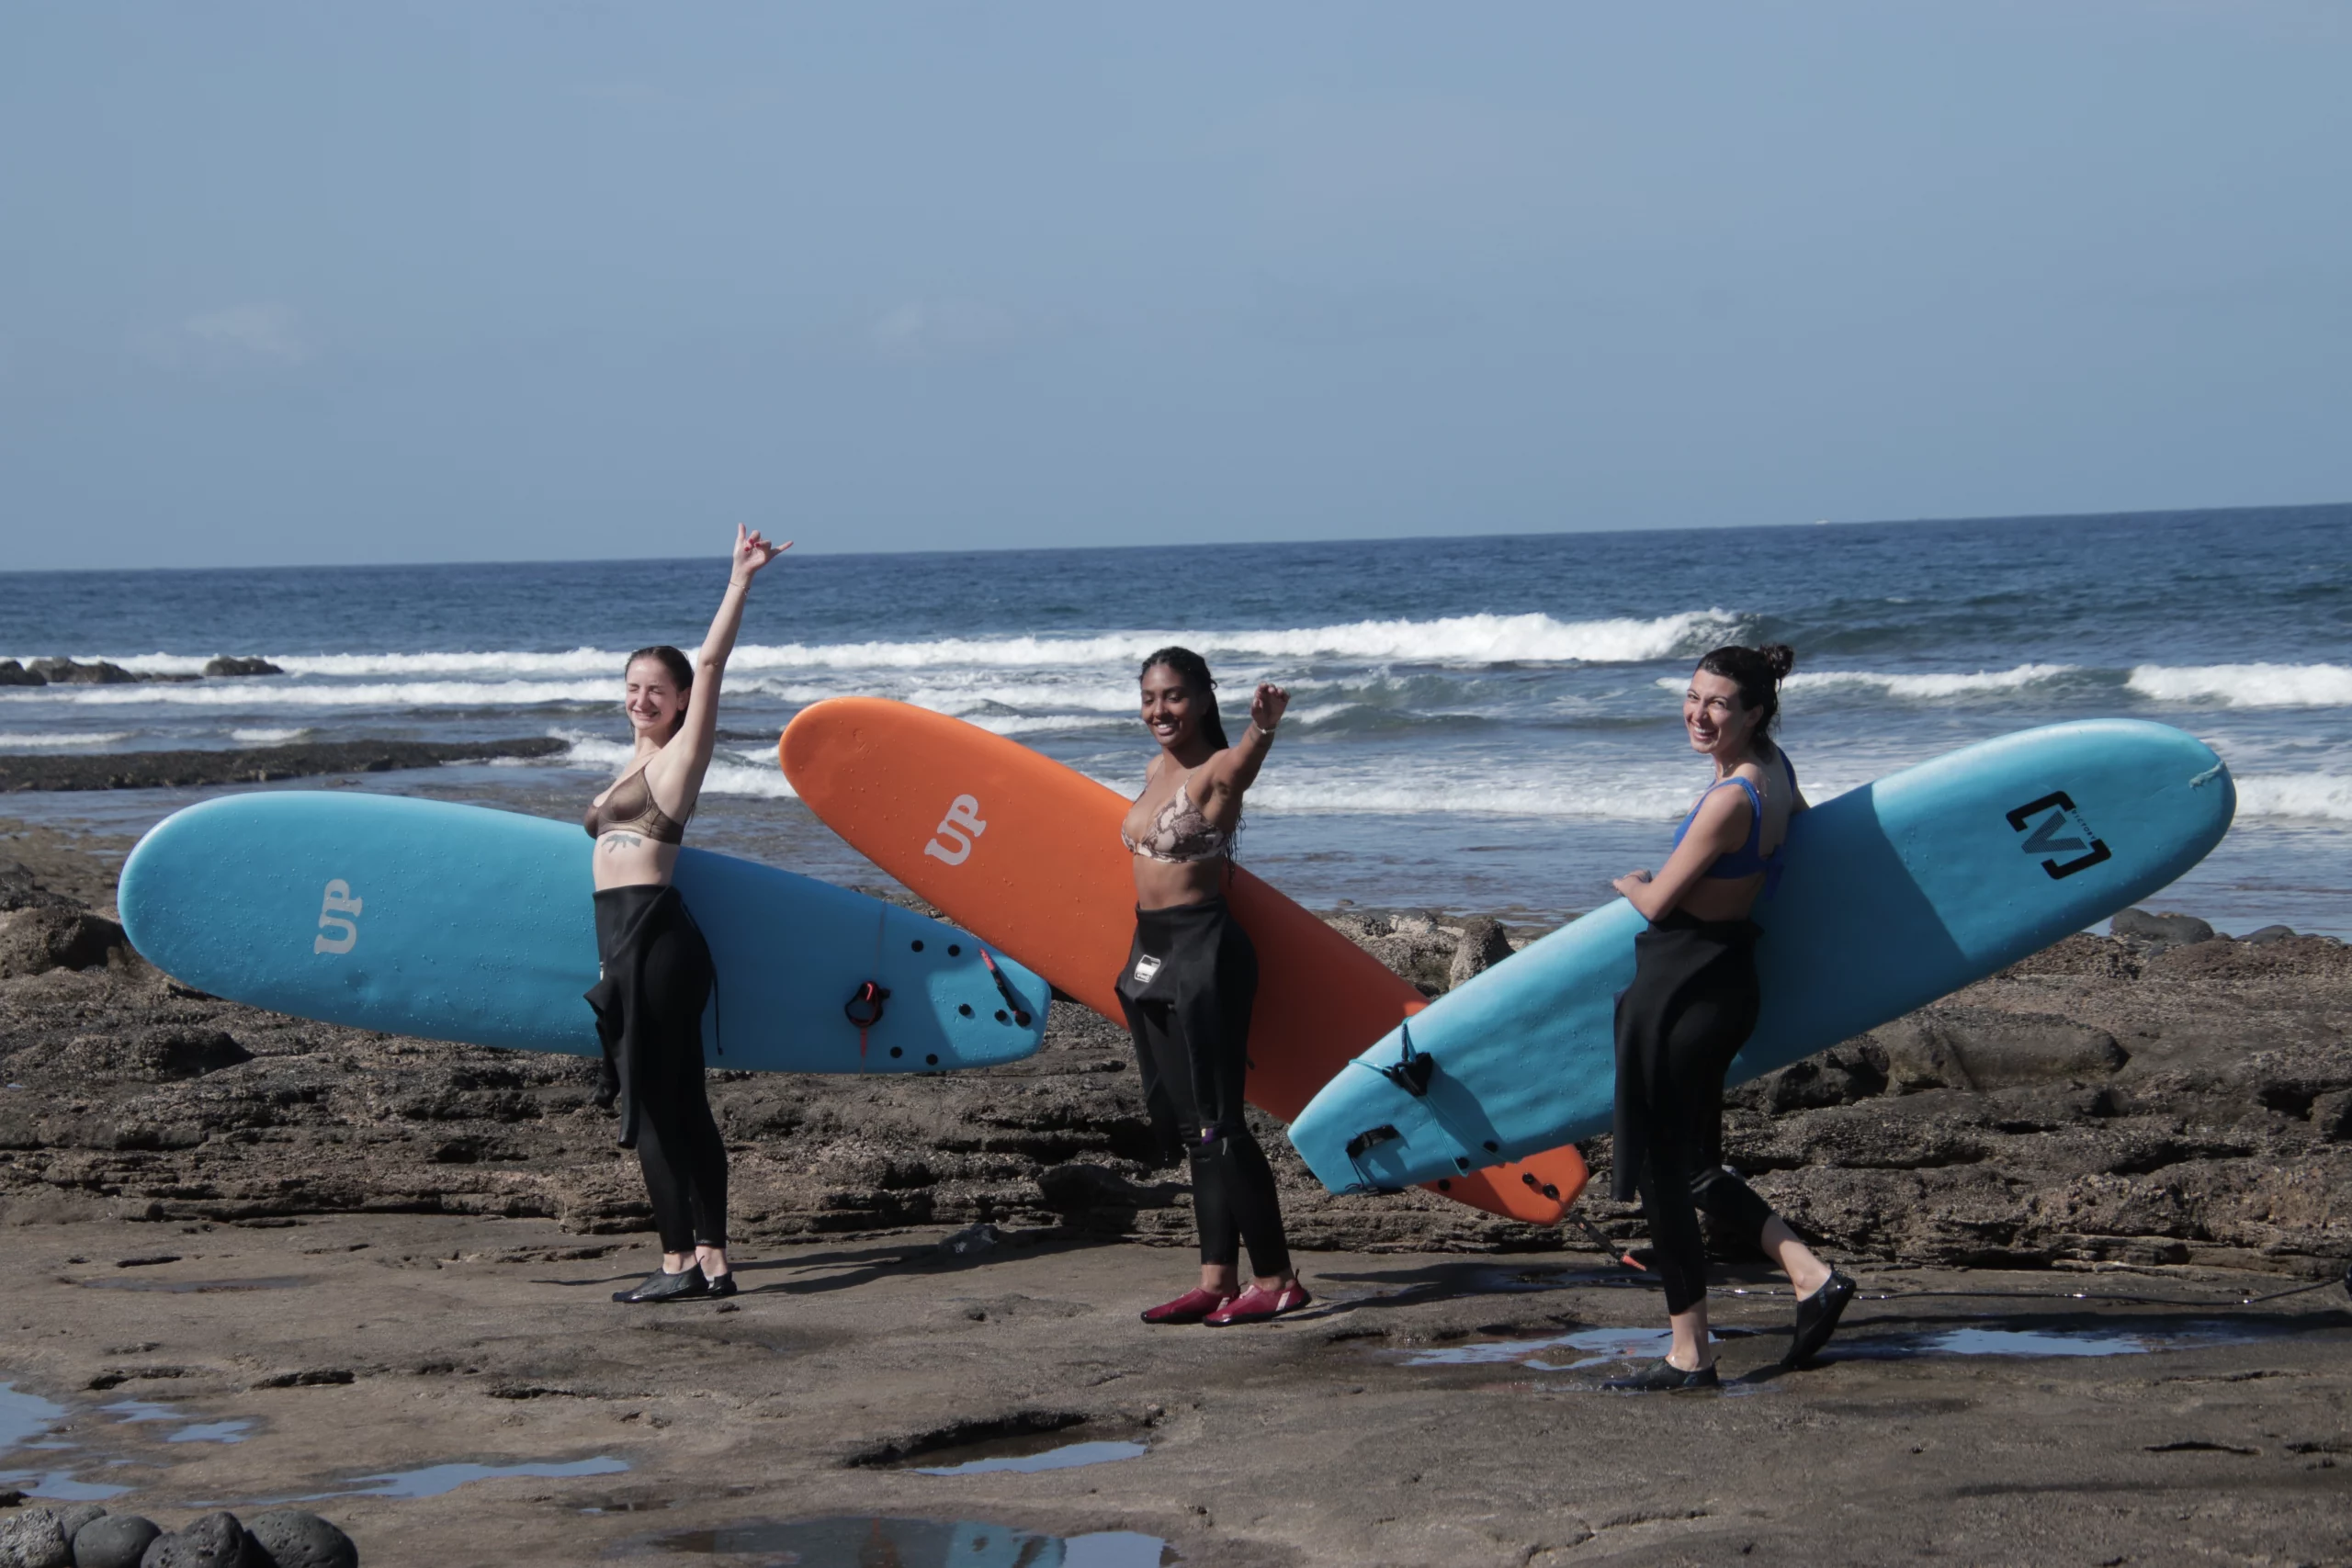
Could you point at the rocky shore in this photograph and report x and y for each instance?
(2168, 1104)
(2112, 1099)
(253, 764)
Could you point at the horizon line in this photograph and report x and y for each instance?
(2157, 514)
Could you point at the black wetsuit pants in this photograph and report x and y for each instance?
(1691, 1007)
(1190, 978)
(656, 975)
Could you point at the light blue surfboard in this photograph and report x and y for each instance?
(452, 922)
(1894, 895)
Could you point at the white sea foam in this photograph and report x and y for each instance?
(750, 771)
(78, 738)
(2247, 685)
(265, 737)
(278, 693)
(2325, 797)
(1929, 685)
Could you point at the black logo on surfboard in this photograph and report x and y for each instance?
(2061, 832)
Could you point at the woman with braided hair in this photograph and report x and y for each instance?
(1192, 976)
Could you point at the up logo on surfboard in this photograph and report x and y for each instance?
(338, 930)
(2061, 832)
(952, 839)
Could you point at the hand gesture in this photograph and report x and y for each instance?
(1267, 705)
(753, 552)
(1631, 880)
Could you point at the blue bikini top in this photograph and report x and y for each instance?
(1747, 860)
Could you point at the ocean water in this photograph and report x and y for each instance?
(1477, 724)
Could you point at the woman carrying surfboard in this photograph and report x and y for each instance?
(1692, 1005)
(1190, 977)
(654, 967)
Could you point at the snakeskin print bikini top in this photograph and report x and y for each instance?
(630, 808)
(1179, 832)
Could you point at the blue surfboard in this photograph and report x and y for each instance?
(453, 922)
(1894, 895)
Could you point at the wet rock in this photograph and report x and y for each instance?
(35, 940)
(117, 1540)
(2171, 930)
(65, 672)
(973, 1241)
(15, 674)
(216, 1540)
(2265, 936)
(34, 1540)
(292, 1537)
(229, 664)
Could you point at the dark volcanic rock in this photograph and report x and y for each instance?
(2173, 931)
(216, 1540)
(65, 672)
(228, 664)
(35, 1539)
(35, 940)
(161, 770)
(291, 1537)
(19, 890)
(117, 1540)
(15, 674)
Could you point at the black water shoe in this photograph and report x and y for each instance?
(687, 1285)
(1817, 1316)
(724, 1285)
(1665, 1377)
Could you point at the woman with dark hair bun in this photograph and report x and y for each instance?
(1190, 977)
(1691, 1007)
(653, 969)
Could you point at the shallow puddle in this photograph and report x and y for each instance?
(1061, 1456)
(2102, 1341)
(27, 1421)
(857, 1542)
(433, 1480)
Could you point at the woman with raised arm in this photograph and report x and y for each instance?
(1691, 1007)
(654, 970)
(1190, 977)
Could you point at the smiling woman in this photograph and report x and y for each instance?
(654, 967)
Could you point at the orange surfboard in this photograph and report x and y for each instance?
(1025, 853)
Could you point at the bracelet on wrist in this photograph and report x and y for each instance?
(1261, 729)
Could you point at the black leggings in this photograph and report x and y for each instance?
(1192, 976)
(658, 963)
(1691, 1007)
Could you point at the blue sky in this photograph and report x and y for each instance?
(292, 283)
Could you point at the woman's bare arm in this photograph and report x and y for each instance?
(1720, 828)
(686, 758)
(1235, 768)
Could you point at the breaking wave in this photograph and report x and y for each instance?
(2247, 685)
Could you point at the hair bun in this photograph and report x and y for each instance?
(1779, 658)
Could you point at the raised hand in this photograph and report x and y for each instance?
(753, 552)
(1267, 705)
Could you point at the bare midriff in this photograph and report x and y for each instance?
(1162, 885)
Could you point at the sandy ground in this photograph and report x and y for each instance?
(1317, 1440)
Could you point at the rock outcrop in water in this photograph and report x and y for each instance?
(2133, 1100)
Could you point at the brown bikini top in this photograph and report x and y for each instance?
(1178, 833)
(630, 808)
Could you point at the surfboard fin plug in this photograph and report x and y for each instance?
(865, 1009)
